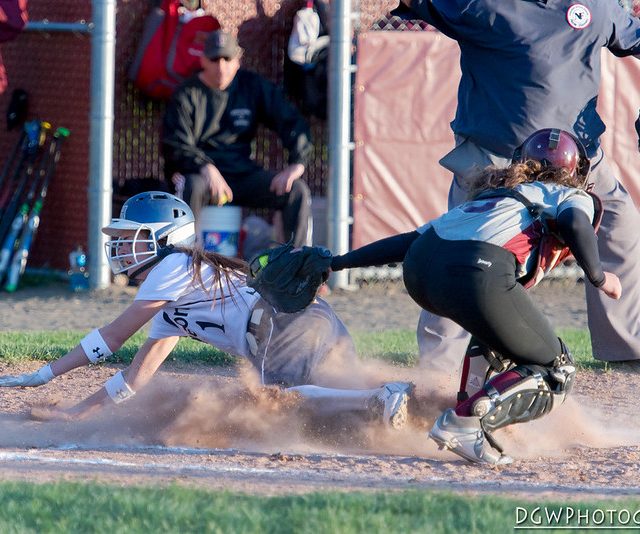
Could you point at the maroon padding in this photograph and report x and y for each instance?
(405, 97)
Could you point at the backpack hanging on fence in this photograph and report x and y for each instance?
(305, 68)
(170, 48)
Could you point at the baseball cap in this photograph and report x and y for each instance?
(221, 44)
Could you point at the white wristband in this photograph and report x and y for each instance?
(46, 374)
(118, 389)
(95, 347)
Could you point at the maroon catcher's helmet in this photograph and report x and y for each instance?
(557, 148)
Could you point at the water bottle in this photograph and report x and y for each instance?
(78, 273)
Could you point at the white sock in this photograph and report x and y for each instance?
(330, 400)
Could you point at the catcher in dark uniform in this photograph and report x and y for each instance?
(472, 264)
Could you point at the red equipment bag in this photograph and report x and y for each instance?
(170, 48)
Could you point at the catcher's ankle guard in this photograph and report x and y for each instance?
(539, 391)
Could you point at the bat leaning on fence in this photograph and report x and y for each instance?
(11, 239)
(21, 255)
(13, 157)
(29, 146)
(15, 196)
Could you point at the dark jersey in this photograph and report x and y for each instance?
(530, 64)
(204, 125)
(506, 222)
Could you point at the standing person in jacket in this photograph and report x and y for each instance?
(470, 266)
(208, 129)
(528, 65)
(187, 292)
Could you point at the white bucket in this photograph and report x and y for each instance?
(220, 229)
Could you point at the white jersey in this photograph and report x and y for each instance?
(218, 318)
(506, 222)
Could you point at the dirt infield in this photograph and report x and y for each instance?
(195, 426)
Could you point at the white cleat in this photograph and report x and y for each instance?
(464, 436)
(390, 404)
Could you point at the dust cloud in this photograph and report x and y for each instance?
(213, 411)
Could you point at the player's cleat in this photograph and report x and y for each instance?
(390, 405)
(464, 436)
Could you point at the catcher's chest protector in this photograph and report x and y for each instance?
(551, 250)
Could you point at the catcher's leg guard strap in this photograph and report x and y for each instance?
(479, 362)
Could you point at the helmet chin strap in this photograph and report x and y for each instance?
(162, 254)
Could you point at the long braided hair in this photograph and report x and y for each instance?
(522, 173)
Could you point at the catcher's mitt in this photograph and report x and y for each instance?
(288, 278)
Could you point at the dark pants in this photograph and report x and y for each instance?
(473, 283)
(252, 191)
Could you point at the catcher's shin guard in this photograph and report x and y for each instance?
(536, 394)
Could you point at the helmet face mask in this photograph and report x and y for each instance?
(131, 249)
(149, 223)
(557, 148)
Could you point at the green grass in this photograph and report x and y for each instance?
(64, 507)
(47, 346)
(396, 346)
(401, 347)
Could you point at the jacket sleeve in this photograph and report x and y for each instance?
(427, 11)
(388, 250)
(181, 129)
(575, 229)
(624, 37)
(279, 115)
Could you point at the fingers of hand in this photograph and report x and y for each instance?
(49, 413)
(289, 185)
(274, 187)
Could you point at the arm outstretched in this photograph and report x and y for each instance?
(124, 384)
(93, 348)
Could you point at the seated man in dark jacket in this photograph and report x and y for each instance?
(208, 128)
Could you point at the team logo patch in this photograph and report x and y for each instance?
(578, 16)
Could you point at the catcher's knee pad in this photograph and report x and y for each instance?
(536, 394)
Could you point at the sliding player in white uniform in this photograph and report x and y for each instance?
(186, 291)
